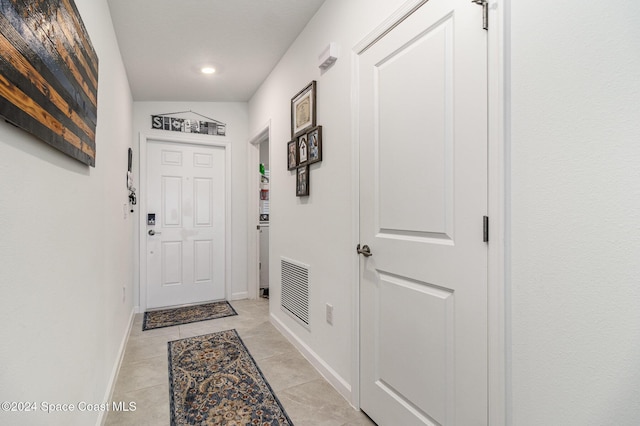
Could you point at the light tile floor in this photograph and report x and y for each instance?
(305, 395)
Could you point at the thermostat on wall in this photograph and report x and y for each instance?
(328, 56)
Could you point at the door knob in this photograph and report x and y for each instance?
(365, 250)
(152, 232)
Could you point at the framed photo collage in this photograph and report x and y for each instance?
(305, 146)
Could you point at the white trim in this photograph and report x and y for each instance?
(341, 385)
(497, 157)
(355, 233)
(253, 243)
(111, 385)
(388, 25)
(184, 138)
(240, 295)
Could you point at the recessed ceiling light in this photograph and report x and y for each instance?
(208, 70)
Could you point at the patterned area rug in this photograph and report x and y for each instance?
(214, 380)
(186, 315)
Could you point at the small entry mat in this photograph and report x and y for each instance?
(186, 315)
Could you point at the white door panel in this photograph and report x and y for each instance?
(186, 256)
(416, 137)
(423, 193)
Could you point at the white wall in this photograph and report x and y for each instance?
(575, 212)
(65, 253)
(235, 116)
(318, 230)
(573, 202)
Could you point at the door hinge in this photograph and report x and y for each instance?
(485, 12)
(485, 229)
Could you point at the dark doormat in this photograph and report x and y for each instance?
(186, 315)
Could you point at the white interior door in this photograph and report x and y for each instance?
(423, 195)
(186, 245)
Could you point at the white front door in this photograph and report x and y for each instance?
(186, 241)
(423, 195)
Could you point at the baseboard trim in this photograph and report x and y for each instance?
(240, 296)
(318, 363)
(102, 416)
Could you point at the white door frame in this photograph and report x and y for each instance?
(498, 380)
(190, 139)
(253, 243)
(498, 305)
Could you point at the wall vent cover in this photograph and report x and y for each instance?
(295, 290)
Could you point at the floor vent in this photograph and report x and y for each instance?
(295, 290)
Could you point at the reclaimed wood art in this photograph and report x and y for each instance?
(49, 74)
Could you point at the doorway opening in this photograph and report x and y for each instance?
(263, 223)
(259, 179)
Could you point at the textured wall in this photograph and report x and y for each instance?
(65, 253)
(575, 203)
(318, 230)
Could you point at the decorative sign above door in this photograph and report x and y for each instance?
(188, 125)
(49, 78)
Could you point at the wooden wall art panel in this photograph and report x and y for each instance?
(49, 74)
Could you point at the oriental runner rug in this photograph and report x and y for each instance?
(186, 315)
(213, 380)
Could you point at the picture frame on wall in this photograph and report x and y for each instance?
(303, 149)
(303, 109)
(292, 155)
(314, 144)
(302, 181)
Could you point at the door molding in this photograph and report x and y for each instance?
(253, 246)
(179, 138)
(498, 380)
(497, 48)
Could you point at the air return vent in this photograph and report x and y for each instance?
(295, 290)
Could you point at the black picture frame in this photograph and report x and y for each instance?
(302, 181)
(303, 149)
(292, 155)
(303, 110)
(314, 145)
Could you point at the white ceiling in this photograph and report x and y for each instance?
(165, 43)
